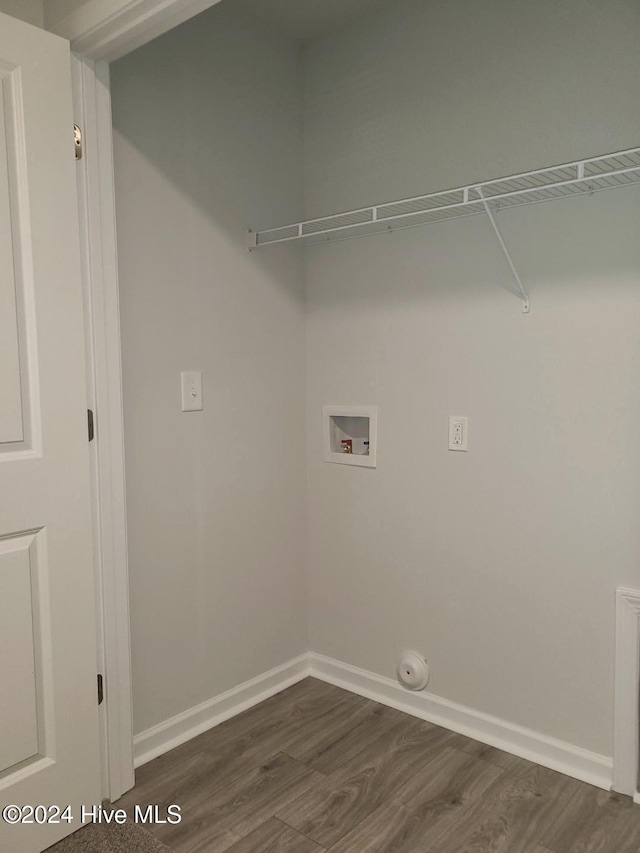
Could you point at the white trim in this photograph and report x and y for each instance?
(108, 29)
(627, 682)
(549, 752)
(556, 754)
(96, 205)
(181, 728)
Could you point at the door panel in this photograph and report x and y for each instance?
(48, 710)
(11, 412)
(18, 707)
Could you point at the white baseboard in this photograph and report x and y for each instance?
(547, 751)
(556, 754)
(181, 728)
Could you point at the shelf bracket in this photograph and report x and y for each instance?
(503, 246)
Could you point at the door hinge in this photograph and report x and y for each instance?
(90, 427)
(100, 689)
(77, 141)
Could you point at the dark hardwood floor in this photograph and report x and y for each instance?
(316, 769)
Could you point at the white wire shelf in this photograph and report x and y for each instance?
(581, 177)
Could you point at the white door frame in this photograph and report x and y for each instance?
(102, 334)
(101, 31)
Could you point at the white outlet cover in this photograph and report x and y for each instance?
(458, 432)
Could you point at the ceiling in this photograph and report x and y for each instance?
(305, 20)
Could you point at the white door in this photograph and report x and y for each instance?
(48, 707)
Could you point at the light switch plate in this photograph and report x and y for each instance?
(458, 432)
(191, 390)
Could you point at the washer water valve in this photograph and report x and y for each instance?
(412, 670)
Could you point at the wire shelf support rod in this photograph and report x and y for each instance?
(507, 254)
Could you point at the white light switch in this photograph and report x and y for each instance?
(458, 433)
(191, 391)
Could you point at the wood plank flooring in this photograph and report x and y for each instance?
(316, 769)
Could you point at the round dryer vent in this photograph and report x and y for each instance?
(412, 671)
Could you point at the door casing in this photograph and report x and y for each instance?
(100, 32)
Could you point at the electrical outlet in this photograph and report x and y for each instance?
(458, 433)
(191, 390)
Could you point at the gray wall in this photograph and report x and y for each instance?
(208, 139)
(428, 94)
(500, 564)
